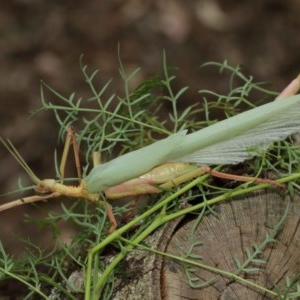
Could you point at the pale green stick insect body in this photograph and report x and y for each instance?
(227, 142)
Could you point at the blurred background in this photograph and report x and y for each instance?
(42, 40)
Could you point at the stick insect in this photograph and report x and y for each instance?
(175, 159)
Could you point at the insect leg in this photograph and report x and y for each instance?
(291, 89)
(246, 178)
(71, 138)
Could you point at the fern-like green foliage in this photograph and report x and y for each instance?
(115, 124)
(119, 123)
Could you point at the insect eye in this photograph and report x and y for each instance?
(41, 188)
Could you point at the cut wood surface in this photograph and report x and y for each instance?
(237, 225)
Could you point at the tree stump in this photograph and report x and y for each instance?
(237, 225)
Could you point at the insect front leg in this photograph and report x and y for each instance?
(26, 200)
(70, 138)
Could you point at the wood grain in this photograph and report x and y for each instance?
(238, 224)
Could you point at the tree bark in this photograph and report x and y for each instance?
(236, 225)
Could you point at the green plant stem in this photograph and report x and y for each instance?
(116, 234)
(58, 286)
(19, 278)
(100, 284)
(159, 221)
(93, 110)
(227, 195)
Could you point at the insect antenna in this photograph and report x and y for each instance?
(14, 152)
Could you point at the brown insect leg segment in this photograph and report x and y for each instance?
(246, 178)
(111, 218)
